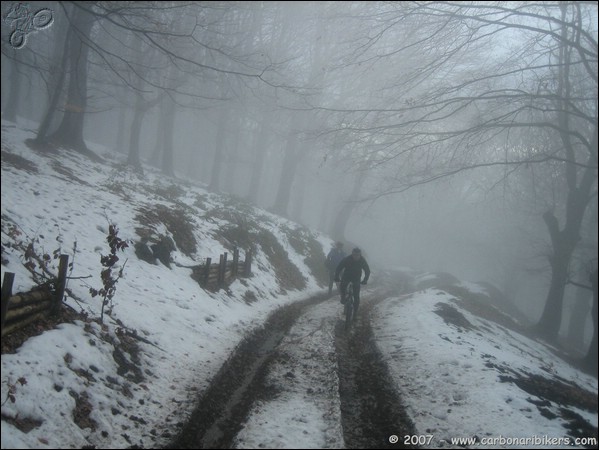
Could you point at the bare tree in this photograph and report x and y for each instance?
(12, 103)
(70, 130)
(187, 49)
(317, 43)
(219, 150)
(484, 77)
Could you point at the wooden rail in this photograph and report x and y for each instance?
(24, 308)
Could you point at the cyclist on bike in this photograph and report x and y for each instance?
(352, 267)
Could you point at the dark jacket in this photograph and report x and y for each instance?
(352, 269)
(334, 258)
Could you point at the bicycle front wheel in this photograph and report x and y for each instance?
(349, 312)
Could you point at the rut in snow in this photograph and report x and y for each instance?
(371, 411)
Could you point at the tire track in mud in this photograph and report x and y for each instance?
(371, 409)
(224, 405)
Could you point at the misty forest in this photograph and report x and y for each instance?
(453, 137)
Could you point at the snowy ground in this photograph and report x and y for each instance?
(456, 378)
(57, 200)
(306, 408)
(450, 375)
(453, 369)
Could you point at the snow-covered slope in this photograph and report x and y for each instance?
(130, 380)
(464, 369)
(472, 376)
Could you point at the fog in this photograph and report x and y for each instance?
(443, 137)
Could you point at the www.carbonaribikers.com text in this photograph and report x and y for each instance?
(534, 440)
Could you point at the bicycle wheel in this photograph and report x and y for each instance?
(17, 39)
(349, 312)
(349, 307)
(43, 19)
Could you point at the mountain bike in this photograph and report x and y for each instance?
(349, 310)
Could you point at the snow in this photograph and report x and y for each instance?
(442, 371)
(191, 331)
(444, 375)
(308, 399)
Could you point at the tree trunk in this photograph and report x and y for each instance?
(121, 133)
(260, 147)
(233, 156)
(324, 211)
(192, 165)
(138, 115)
(578, 318)
(70, 130)
(590, 360)
(14, 93)
(219, 152)
(58, 69)
(563, 247)
(45, 124)
(168, 141)
(288, 173)
(155, 158)
(340, 223)
(300, 193)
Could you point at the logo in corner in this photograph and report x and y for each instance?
(24, 21)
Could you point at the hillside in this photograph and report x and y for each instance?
(432, 361)
(161, 324)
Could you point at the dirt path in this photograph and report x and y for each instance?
(304, 367)
(371, 409)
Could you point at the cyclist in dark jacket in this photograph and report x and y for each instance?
(333, 259)
(352, 267)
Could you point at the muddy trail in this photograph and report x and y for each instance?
(371, 410)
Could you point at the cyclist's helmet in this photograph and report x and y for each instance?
(356, 251)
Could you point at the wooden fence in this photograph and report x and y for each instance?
(24, 308)
(213, 276)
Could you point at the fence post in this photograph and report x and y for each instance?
(235, 262)
(7, 283)
(222, 270)
(247, 267)
(207, 271)
(62, 282)
(219, 274)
